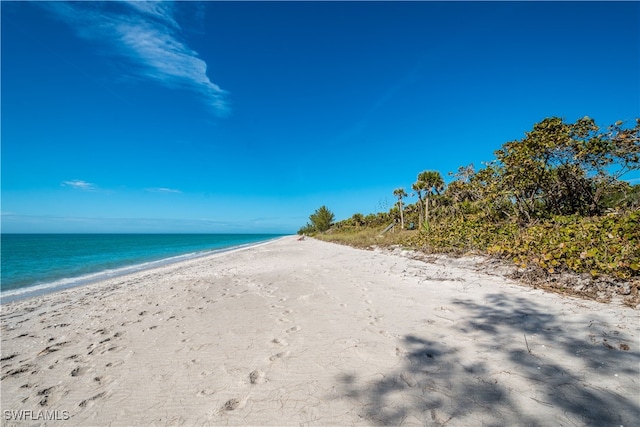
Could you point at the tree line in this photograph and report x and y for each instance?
(562, 181)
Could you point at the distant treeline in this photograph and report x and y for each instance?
(555, 200)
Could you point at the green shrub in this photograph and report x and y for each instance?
(607, 244)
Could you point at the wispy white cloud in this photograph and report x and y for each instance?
(158, 10)
(147, 34)
(79, 184)
(163, 190)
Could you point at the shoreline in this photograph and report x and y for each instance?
(307, 332)
(40, 289)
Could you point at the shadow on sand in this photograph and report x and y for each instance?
(563, 374)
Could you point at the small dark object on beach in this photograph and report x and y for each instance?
(231, 404)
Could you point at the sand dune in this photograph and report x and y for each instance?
(312, 333)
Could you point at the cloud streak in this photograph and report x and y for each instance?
(148, 36)
(79, 184)
(163, 190)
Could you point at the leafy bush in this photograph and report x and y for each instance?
(607, 244)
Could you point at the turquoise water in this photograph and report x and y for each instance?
(44, 262)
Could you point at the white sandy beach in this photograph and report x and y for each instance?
(312, 333)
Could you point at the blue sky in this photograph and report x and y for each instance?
(246, 117)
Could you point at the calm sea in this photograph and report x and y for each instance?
(36, 263)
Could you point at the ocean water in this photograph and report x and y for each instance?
(37, 263)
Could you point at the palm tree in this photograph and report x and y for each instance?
(400, 193)
(358, 219)
(430, 182)
(418, 191)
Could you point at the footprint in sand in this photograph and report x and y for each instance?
(86, 402)
(114, 364)
(53, 348)
(19, 370)
(192, 363)
(257, 377)
(233, 404)
(280, 356)
(113, 348)
(78, 371)
(103, 379)
(294, 329)
(45, 395)
(280, 341)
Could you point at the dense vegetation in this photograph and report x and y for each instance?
(553, 201)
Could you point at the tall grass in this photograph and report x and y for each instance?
(367, 237)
